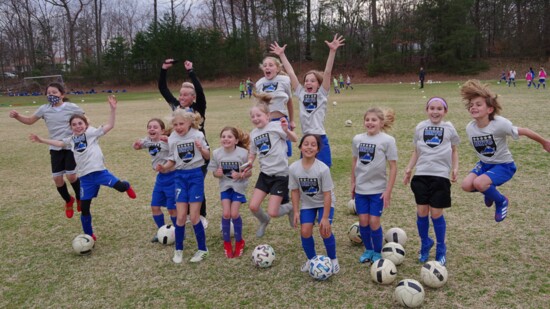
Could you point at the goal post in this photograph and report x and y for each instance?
(38, 84)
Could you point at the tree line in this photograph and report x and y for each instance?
(126, 40)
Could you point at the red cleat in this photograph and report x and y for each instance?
(239, 248)
(228, 249)
(78, 206)
(131, 193)
(93, 236)
(69, 212)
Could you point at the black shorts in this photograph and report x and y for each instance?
(274, 185)
(432, 190)
(62, 162)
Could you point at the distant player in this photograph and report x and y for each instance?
(542, 78)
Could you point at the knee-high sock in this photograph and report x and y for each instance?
(180, 236)
(493, 194)
(173, 219)
(121, 186)
(226, 226)
(261, 215)
(64, 192)
(377, 239)
(285, 209)
(440, 228)
(423, 225)
(199, 234)
(87, 224)
(159, 220)
(76, 188)
(238, 228)
(309, 247)
(330, 245)
(365, 236)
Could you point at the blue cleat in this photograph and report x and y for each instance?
(501, 210)
(366, 256)
(424, 253)
(441, 254)
(375, 257)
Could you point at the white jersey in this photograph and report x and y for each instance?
(158, 151)
(279, 89)
(490, 142)
(269, 144)
(229, 162)
(57, 120)
(87, 153)
(313, 109)
(183, 150)
(372, 152)
(433, 143)
(312, 183)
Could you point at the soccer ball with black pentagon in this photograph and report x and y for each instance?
(394, 252)
(83, 244)
(397, 235)
(166, 234)
(409, 293)
(433, 274)
(383, 271)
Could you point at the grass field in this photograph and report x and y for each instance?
(490, 265)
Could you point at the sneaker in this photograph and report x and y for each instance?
(69, 212)
(305, 267)
(375, 257)
(488, 201)
(261, 229)
(78, 208)
(155, 239)
(239, 248)
(199, 256)
(335, 266)
(94, 237)
(366, 256)
(425, 248)
(204, 222)
(441, 254)
(228, 249)
(178, 256)
(131, 193)
(501, 210)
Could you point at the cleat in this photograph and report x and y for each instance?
(199, 256)
(501, 210)
(366, 256)
(425, 248)
(335, 266)
(228, 249)
(155, 239)
(69, 212)
(261, 229)
(239, 248)
(305, 267)
(78, 208)
(375, 257)
(441, 254)
(178, 256)
(488, 201)
(131, 193)
(93, 236)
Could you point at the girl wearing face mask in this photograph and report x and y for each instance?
(56, 114)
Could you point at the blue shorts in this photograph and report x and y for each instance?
(542, 80)
(164, 193)
(288, 142)
(90, 183)
(499, 173)
(189, 185)
(233, 196)
(324, 155)
(308, 215)
(369, 204)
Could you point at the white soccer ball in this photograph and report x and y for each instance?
(397, 235)
(334, 103)
(354, 234)
(433, 274)
(231, 229)
(348, 123)
(383, 271)
(166, 234)
(263, 256)
(83, 244)
(351, 207)
(394, 252)
(320, 267)
(409, 293)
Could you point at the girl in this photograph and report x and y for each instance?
(435, 156)
(268, 142)
(487, 134)
(188, 151)
(542, 78)
(277, 84)
(56, 114)
(84, 142)
(311, 184)
(348, 83)
(163, 193)
(227, 165)
(369, 187)
(313, 97)
(192, 98)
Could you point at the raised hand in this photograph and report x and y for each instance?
(337, 41)
(276, 49)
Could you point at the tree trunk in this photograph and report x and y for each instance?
(98, 10)
(308, 31)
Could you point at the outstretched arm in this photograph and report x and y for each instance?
(337, 41)
(536, 137)
(23, 119)
(163, 86)
(280, 51)
(37, 139)
(111, 124)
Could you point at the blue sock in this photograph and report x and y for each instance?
(159, 220)
(377, 239)
(440, 228)
(173, 219)
(494, 195)
(330, 245)
(309, 247)
(87, 224)
(226, 225)
(365, 236)
(423, 225)
(180, 236)
(199, 234)
(238, 228)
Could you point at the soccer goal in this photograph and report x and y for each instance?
(38, 84)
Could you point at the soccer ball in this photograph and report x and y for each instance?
(263, 256)
(383, 271)
(394, 252)
(409, 293)
(433, 274)
(320, 267)
(166, 234)
(334, 103)
(351, 207)
(348, 123)
(83, 244)
(354, 234)
(397, 235)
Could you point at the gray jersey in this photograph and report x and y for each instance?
(313, 109)
(269, 144)
(229, 162)
(372, 152)
(279, 89)
(183, 150)
(87, 153)
(57, 120)
(158, 151)
(433, 144)
(312, 183)
(490, 142)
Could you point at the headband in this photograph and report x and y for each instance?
(437, 99)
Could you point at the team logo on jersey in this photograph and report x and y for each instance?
(270, 87)
(484, 145)
(366, 153)
(154, 149)
(310, 102)
(433, 136)
(80, 143)
(186, 151)
(229, 167)
(310, 186)
(263, 143)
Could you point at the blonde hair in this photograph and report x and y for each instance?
(194, 117)
(278, 64)
(386, 116)
(263, 100)
(189, 85)
(318, 75)
(473, 88)
(243, 139)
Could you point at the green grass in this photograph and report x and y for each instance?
(490, 265)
